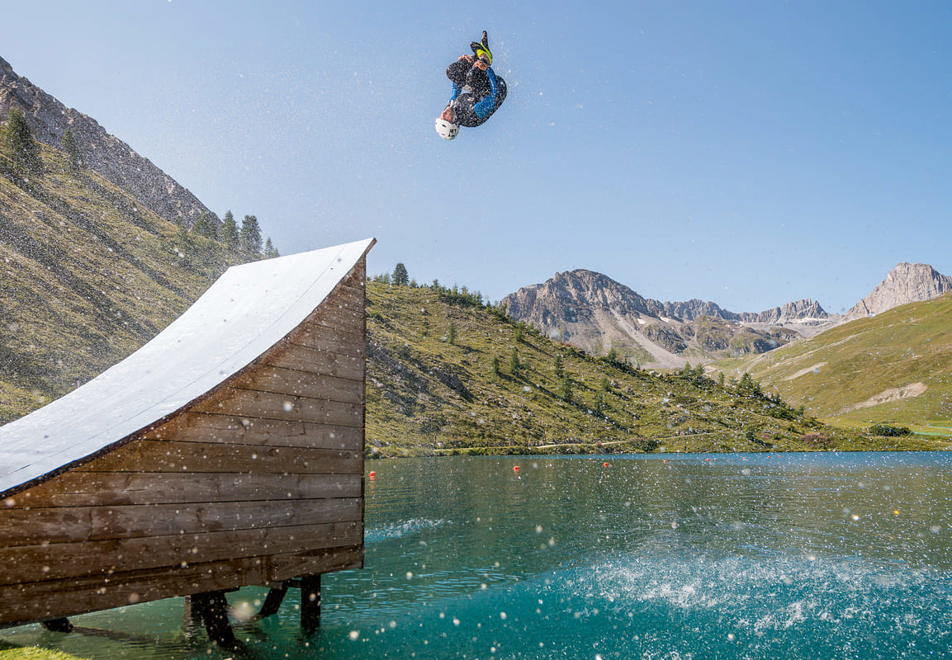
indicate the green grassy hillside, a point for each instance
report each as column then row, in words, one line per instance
column 87, row 275
column 895, row 367
column 432, row 389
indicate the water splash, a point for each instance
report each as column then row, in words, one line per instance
column 400, row 529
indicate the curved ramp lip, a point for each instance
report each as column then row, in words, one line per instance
column 240, row 317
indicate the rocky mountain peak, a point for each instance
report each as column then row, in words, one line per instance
column 104, row 153
column 596, row 313
column 904, row 284
column 571, row 297
column 798, row 311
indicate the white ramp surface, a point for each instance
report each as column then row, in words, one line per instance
column 246, row 312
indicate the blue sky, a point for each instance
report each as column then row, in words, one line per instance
column 748, row 153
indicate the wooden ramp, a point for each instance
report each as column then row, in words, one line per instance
column 228, row 451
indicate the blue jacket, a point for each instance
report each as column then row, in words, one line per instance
column 475, row 101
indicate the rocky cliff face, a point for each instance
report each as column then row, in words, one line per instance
column 804, row 311
column 597, row 313
column 100, row 151
column 575, row 297
column 904, row 284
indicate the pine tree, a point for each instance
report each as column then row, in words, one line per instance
column 249, row 238
column 205, row 226
column 748, row 385
column 19, row 144
column 229, row 231
column 270, row 252
column 599, row 405
column 71, row 148
column 400, row 275
column 514, row 364
column 451, row 334
column 565, row 389
column 557, row 367
column 494, row 365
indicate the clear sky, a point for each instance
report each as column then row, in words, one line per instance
column 748, row 153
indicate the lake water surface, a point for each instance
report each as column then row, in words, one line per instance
column 754, row 555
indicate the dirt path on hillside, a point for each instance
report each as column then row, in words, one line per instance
column 893, row 394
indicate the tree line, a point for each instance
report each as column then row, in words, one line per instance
column 246, row 238
column 453, row 295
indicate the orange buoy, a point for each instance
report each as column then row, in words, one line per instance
column 515, row 468
column 665, row 461
column 707, row 459
column 605, row 464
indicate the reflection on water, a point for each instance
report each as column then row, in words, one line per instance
column 661, row 556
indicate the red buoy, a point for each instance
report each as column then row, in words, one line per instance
column 515, row 468
column 373, row 475
column 665, row 460
column 605, row 464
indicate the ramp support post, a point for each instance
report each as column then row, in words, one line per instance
column 61, row 625
column 213, row 609
column 310, row 603
column 272, row 602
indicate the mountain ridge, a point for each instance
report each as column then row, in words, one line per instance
column 596, row 313
column 100, row 151
column 688, row 310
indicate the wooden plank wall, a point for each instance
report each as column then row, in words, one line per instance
column 258, row 482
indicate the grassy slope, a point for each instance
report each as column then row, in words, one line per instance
column 87, row 275
column 426, row 396
column 11, row 652
column 847, row 365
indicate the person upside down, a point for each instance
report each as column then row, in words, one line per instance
column 477, row 91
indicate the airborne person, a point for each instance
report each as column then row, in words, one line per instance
column 477, row 91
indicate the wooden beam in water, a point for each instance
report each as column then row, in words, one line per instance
column 213, row 608
column 272, row 602
column 310, row 603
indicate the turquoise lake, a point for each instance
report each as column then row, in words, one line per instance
column 660, row 556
